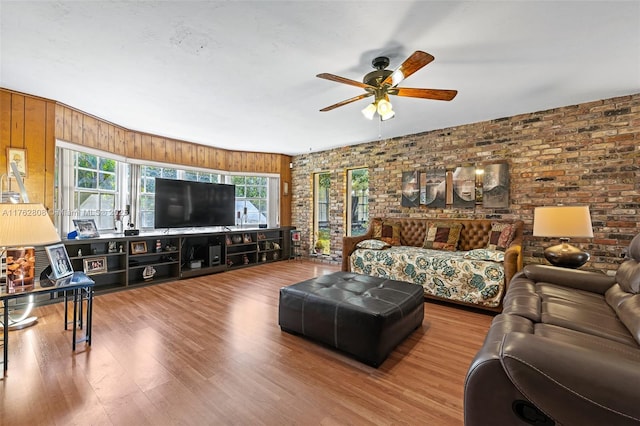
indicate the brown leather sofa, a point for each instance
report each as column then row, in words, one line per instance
column 565, row 350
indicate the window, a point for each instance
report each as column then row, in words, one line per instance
column 251, row 199
column 95, row 189
column 147, row 192
column 321, row 223
column 357, row 201
column 97, row 185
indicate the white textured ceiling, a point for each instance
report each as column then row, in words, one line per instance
column 241, row 75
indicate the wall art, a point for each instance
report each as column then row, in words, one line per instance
column 410, row 189
column 464, row 187
column 495, row 186
column 433, row 185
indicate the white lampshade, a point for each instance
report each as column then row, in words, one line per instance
column 26, row 224
column 562, row 222
column 369, row 111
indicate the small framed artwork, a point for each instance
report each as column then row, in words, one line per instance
column 247, row 238
column 19, row 157
column 95, row 265
column 112, row 247
column 59, row 260
column 138, row 247
column 410, row 189
column 86, row 228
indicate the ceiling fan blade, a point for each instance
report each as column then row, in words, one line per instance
column 339, row 79
column 412, row 64
column 348, row 101
column 437, row 94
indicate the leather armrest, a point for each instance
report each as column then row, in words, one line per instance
column 349, row 245
column 512, row 260
column 574, row 384
column 581, row 280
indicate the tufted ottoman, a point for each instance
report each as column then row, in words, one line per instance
column 364, row 316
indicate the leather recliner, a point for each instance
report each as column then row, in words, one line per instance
column 564, row 351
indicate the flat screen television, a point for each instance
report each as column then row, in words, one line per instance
column 184, row 204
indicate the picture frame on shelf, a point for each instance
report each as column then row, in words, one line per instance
column 112, row 247
column 95, row 265
column 247, row 238
column 19, row 157
column 86, row 228
column 59, row 260
column 138, row 247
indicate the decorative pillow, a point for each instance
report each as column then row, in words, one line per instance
column 389, row 232
column 501, row 235
column 373, row 245
column 485, row 254
column 442, row 236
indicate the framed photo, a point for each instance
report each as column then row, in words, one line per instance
column 247, row 238
column 95, row 265
column 59, row 259
column 112, row 247
column 18, row 156
column 86, row 228
column 138, row 247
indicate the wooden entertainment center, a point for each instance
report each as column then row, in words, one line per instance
column 126, row 262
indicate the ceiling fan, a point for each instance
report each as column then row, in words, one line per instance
column 383, row 82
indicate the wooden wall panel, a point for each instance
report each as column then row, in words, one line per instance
column 50, row 155
column 17, row 122
column 47, row 121
column 29, row 122
column 90, row 132
column 103, row 136
column 5, row 128
column 170, row 151
column 35, row 114
column 76, row 127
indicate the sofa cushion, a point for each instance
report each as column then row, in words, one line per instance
column 373, row 244
column 627, row 307
column 389, row 232
column 442, row 236
column 501, row 235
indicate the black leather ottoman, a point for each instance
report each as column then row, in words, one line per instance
column 364, row 316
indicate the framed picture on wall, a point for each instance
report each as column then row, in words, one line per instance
column 19, row 157
column 410, row 189
column 495, row 186
column 464, row 187
column 433, row 184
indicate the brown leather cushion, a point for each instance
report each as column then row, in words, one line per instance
column 474, row 234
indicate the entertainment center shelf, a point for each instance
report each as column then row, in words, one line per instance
column 116, row 262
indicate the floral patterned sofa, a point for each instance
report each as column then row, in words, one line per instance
column 466, row 261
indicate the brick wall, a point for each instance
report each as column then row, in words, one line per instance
column 589, row 154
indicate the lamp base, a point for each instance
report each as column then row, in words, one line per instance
column 566, row 256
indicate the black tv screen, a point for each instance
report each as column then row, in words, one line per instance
column 183, row 204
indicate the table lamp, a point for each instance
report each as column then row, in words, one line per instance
column 23, row 226
column 563, row 222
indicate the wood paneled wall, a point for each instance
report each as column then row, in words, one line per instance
column 35, row 123
column 28, row 122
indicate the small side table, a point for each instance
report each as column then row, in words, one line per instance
column 76, row 288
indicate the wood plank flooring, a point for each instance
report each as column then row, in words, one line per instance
column 208, row 351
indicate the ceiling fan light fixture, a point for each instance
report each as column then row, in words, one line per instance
column 385, row 109
column 369, row 111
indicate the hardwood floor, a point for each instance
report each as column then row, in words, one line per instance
column 209, row 350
